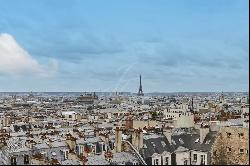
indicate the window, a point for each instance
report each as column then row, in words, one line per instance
column 163, row 143
column 185, row 162
column 197, row 140
column 70, row 116
column 241, row 135
column 13, row 160
column 181, row 141
column 229, row 149
column 26, row 159
column 203, row 159
column 229, row 135
column 156, row 162
column 214, row 152
column 104, row 147
column 66, row 154
column 166, row 161
column 44, row 154
column 195, row 157
column 241, row 151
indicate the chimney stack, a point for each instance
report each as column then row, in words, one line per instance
column 96, row 132
column 204, row 130
column 167, row 132
column 140, row 139
column 135, row 140
column 118, row 139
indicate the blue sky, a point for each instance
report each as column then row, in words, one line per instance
column 97, row 45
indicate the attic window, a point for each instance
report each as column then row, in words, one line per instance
column 181, row 141
column 163, row 143
column 208, row 141
column 173, row 142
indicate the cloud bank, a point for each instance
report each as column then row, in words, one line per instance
column 14, row 60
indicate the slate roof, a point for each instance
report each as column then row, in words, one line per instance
column 42, row 146
column 155, row 145
column 71, row 162
column 190, row 141
column 88, row 140
column 181, row 142
column 59, row 144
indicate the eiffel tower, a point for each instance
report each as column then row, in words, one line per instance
column 140, row 92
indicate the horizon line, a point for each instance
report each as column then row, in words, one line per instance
column 122, row 92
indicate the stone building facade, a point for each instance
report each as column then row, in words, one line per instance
column 231, row 146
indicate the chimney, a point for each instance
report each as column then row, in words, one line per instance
column 140, row 139
column 167, row 132
column 71, row 141
column 96, row 132
column 204, row 130
column 118, row 139
column 135, row 139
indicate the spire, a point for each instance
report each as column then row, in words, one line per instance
column 140, row 92
column 140, row 80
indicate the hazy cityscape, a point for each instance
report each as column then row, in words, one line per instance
column 161, row 82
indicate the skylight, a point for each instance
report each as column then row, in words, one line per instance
column 181, row 141
column 163, row 143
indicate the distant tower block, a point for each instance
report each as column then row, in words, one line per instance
column 140, row 92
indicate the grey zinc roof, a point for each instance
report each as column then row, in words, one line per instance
column 190, row 141
column 97, row 160
column 16, row 144
column 155, row 144
column 71, row 162
column 42, row 146
column 184, row 141
column 59, row 144
column 88, row 140
column 119, row 158
column 124, row 157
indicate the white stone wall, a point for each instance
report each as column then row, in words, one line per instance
column 182, row 118
column 184, row 121
column 155, row 157
column 166, row 155
column 199, row 156
column 181, row 157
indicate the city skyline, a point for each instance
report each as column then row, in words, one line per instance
column 190, row 46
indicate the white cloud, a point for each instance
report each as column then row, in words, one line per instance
column 14, row 60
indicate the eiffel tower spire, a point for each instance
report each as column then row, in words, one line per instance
column 140, row 92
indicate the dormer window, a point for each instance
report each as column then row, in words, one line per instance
column 195, row 157
column 163, row 143
column 229, row 135
column 181, row 141
column 197, row 140
column 156, row 162
column 13, row 161
column 241, row 151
